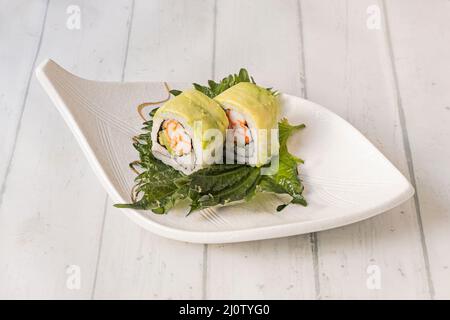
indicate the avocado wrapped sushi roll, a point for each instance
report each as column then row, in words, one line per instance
column 188, row 131
column 253, row 114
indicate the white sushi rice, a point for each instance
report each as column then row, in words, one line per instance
column 256, row 151
column 191, row 161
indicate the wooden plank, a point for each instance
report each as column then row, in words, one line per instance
column 17, row 58
column 175, row 43
column 420, row 36
column 52, row 208
column 348, row 71
column 248, row 36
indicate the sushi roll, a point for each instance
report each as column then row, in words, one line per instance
column 253, row 114
column 189, row 131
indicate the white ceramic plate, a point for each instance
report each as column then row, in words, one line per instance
column 346, row 178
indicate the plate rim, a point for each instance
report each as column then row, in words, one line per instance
column 224, row 236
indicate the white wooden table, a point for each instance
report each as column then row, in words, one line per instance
column 382, row 65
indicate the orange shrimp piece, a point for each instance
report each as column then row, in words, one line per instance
column 178, row 139
column 238, row 124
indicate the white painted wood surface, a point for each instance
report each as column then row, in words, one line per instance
column 352, row 76
column 154, row 267
column 22, row 39
column 52, row 205
column 420, row 50
column 390, row 82
column 271, row 52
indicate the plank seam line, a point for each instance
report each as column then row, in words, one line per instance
column 205, row 271
column 100, row 245
column 213, row 64
column 130, row 22
column 407, row 147
column 130, row 25
column 213, row 74
column 24, row 101
column 315, row 257
column 312, row 236
column 302, row 68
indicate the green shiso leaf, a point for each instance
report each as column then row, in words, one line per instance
column 222, row 184
column 286, row 179
column 159, row 187
column 213, row 88
column 175, row 92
